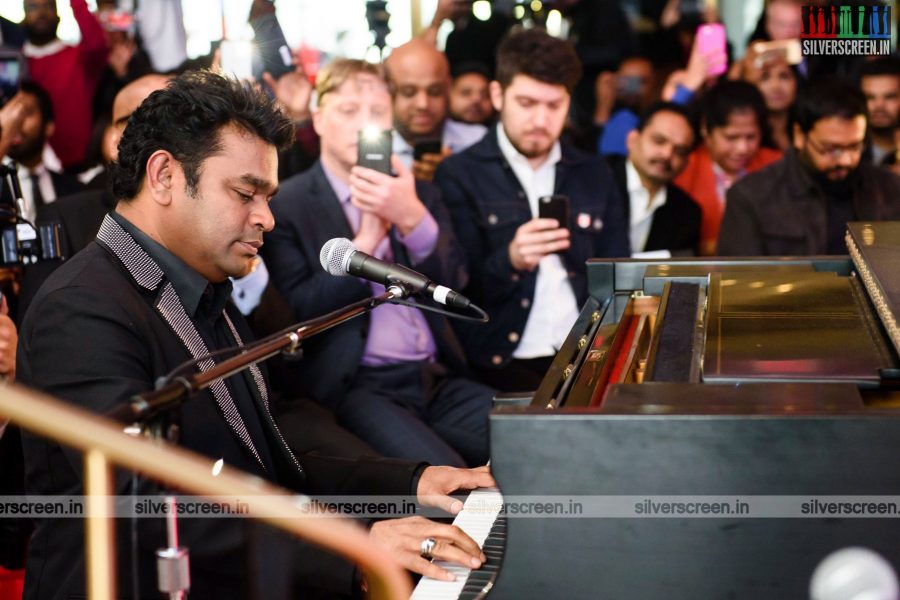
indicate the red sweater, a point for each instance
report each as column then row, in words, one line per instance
column 699, row 181
column 70, row 75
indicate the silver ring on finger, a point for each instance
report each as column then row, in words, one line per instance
column 426, row 549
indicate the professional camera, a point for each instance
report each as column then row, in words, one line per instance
column 21, row 243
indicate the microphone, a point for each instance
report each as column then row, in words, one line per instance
column 340, row 257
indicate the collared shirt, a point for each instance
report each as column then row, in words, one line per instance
column 455, row 135
column 44, row 182
column 247, row 291
column 396, row 333
column 205, row 305
column 554, row 307
column 642, row 207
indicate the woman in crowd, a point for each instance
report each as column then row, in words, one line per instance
column 733, row 123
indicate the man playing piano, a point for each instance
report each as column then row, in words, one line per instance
column 196, row 169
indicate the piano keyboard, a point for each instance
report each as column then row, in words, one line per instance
column 479, row 520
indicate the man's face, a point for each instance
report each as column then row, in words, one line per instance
column 833, row 147
column 783, row 20
column 882, row 100
column 470, row 100
column 218, row 230
column 533, row 113
column 360, row 102
column 420, row 89
column 661, row 150
column 634, row 83
column 28, row 146
column 734, row 145
column 41, row 20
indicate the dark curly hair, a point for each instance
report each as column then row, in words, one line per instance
column 185, row 119
column 537, row 54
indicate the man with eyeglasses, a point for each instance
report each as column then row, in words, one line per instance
column 801, row 204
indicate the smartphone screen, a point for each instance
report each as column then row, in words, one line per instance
column 426, row 147
column 711, row 37
column 12, row 67
column 374, row 150
column 554, row 207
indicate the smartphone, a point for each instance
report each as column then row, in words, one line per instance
column 117, row 20
column 374, row 150
column 711, row 37
column 12, row 72
column 426, row 147
column 554, row 207
column 270, row 50
column 788, row 50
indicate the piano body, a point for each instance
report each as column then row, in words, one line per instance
column 741, row 378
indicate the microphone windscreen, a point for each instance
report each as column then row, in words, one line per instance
column 854, row 574
column 335, row 255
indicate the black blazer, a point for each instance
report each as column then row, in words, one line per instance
column 780, row 211
column 95, row 336
column 487, row 204
column 308, row 214
column 79, row 216
column 676, row 224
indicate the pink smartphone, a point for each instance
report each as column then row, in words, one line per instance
column 710, row 37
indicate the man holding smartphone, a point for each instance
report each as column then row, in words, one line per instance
column 420, row 89
column 391, row 376
column 531, row 293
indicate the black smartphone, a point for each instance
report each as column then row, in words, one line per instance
column 374, row 150
column 426, row 147
column 12, row 72
column 271, row 52
column 554, row 207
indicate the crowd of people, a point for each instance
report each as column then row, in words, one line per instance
column 192, row 210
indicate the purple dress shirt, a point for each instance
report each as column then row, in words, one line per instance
column 396, row 333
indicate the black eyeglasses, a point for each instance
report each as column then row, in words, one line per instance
column 835, row 152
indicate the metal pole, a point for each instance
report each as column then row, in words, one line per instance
column 415, row 11
column 101, row 561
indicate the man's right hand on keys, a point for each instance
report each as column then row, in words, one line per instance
column 403, row 537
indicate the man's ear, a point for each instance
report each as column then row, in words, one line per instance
column 630, row 139
column 317, row 120
column 159, row 176
column 49, row 128
column 496, row 95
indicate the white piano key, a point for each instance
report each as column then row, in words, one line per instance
column 476, row 518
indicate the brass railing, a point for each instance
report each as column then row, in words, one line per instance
column 105, row 445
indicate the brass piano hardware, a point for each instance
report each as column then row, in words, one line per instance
column 568, row 371
column 595, row 316
column 582, row 342
column 550, row 405
column 637, row 294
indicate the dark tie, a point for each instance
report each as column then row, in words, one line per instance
column 36, row 190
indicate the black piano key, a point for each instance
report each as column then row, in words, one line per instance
column 493, row 549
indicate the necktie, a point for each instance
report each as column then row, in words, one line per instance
column 36, row 190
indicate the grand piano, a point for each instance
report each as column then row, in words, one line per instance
column 763, row 383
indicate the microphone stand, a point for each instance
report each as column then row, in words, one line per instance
column 11, row 173
column 173, row 562
column 144, row 406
